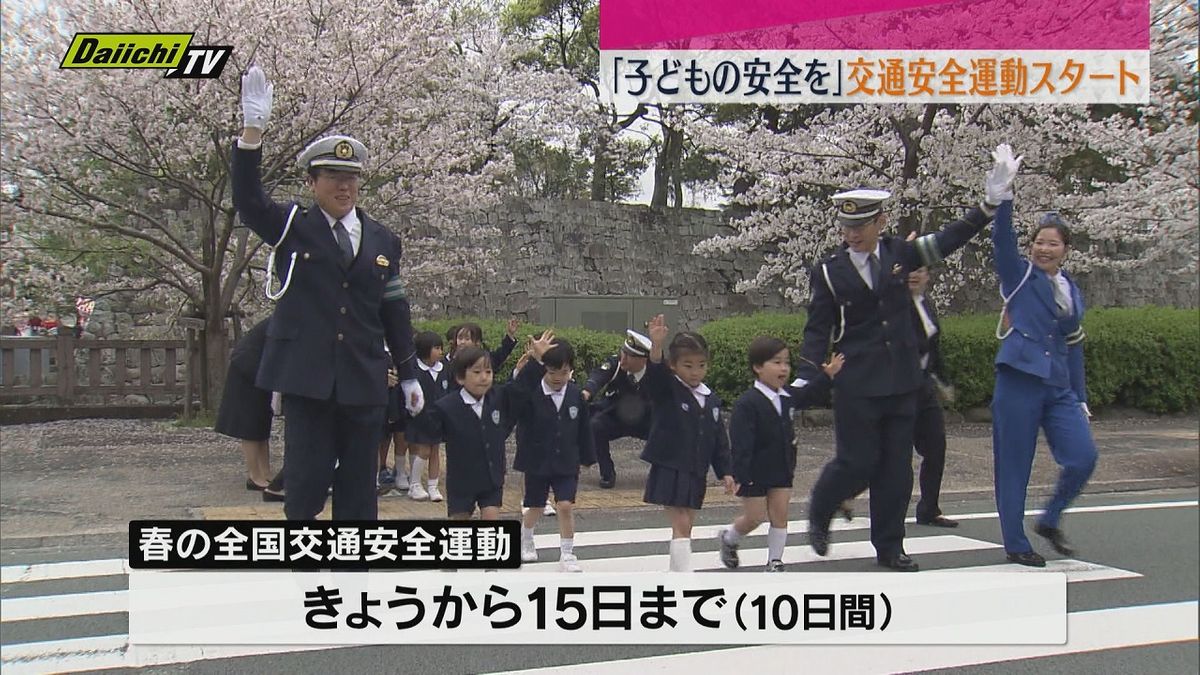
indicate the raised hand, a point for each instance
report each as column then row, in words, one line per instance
column 511, row 329
column 539, row 346
column 835, row 364
column 257, row 97
column 999, row 182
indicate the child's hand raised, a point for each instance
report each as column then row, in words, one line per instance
column 539, row 346
column 835, row 364
column 511, row 329
column 657, row 329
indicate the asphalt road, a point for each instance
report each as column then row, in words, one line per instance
column 1137, row 614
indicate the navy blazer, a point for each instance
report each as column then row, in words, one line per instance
column 326, row 336
column 1041, row 342
column 434, row 386
column 475, row 459
column 247, row 353
column 873, row 327
column 684, row 436
column 498, row 355
column 552, row 441
column 763, row 442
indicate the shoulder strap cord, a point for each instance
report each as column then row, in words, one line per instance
column 841, row 328
column 287, row 279
column 1000, row 332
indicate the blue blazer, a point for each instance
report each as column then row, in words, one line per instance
column 684, row 436
column 1041, row 343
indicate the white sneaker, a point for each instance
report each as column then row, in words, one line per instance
column 528, row 551
column 417, row 493
column 434, row 494
column 402, row 482
column 567, row 562
column 548, row 510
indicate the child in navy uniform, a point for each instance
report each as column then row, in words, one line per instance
column 394, row 425
column 474, row 424
column 554, row 438
column 686, row 435
column 471, row 335
column 762, row 438
column 433, row 374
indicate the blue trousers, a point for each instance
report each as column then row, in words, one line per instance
column 1021, row 403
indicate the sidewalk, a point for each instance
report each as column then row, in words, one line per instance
column 72, row 478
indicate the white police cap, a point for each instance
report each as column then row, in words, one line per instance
column 636, row 344
column 341, row 153
column 857, row 207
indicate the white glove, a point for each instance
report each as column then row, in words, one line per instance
column 998, row 186
column 1086, row 413
column 414, row 398
column 257, row 94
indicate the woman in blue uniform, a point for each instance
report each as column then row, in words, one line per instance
column 1039, row 379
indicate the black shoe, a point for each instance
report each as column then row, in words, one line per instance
column 899, row 562
column 1028, row 559
column 1056, row 538
column 937, row 521
column 818, row 538
column 608, row 483
column 269, row 496
column 251, row 485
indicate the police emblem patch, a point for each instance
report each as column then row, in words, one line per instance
column 684, row 406
column 495, row 417
column 573, row 412
column 343, row 150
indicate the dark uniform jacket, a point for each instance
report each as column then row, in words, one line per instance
column 553, row 441
column 684, row 436
column 873, row 328
column 475, row 459
column 247, row 353
column 763, row 442
column 326, row 336
column 614, row 391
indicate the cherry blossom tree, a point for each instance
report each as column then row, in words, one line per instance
column 141, row 162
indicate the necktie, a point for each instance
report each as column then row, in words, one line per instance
column 343, row 240
column 1060, row 298
column 873, row 268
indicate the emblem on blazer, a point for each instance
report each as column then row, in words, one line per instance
column 343, row 150
column 895, row 269
column 382, row 261
column 573, row 412
column 716, row 414
column 684, row 406
column 495, row 417
column 445, row 384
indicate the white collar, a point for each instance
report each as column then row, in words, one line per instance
column 435, row 368
column 550, row 392
column 860, row 258
column 468, row 398
column 637, row 377
column 702, row 390
column 769, row 392
column 349, row 221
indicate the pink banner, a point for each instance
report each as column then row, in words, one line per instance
column 875, row 24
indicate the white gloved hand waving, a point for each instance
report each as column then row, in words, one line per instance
column 999, row 182
column 257, row 96
column 414, row 398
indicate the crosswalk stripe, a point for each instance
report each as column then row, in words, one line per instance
column 95, row 568
column 1096, row 630
column 704, row 560
column 67, row 604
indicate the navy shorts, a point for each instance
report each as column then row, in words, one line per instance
column 465, row 503
column 537, row 488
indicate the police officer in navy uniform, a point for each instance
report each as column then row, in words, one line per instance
column 342, row 298
column 620, row 407
column 861, row 307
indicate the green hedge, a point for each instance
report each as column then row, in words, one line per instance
column 1144, row 357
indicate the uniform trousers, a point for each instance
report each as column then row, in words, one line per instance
column 319, row 434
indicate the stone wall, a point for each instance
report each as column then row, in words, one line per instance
column 553, row 248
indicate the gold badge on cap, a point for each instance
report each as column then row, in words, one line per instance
column 382, row 261
column 849, row 207
column 343, row 150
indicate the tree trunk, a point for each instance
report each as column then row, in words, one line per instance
column 600, row 163
column 666, row 165
column 214, row 349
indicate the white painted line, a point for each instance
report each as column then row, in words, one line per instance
column 1118, row 628
column 793, row 555
column 1076, row 570
column 12, row 574
column 80, row 655
column 67, row 604
column 662, row 535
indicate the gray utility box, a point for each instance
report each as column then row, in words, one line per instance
column 608, row 313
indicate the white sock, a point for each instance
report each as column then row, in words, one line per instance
column 776, row 539
column 681, row 555
column 567, row 546
column 732, row 536
column 418, row 468
column 433, row 483
column 526, row 534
